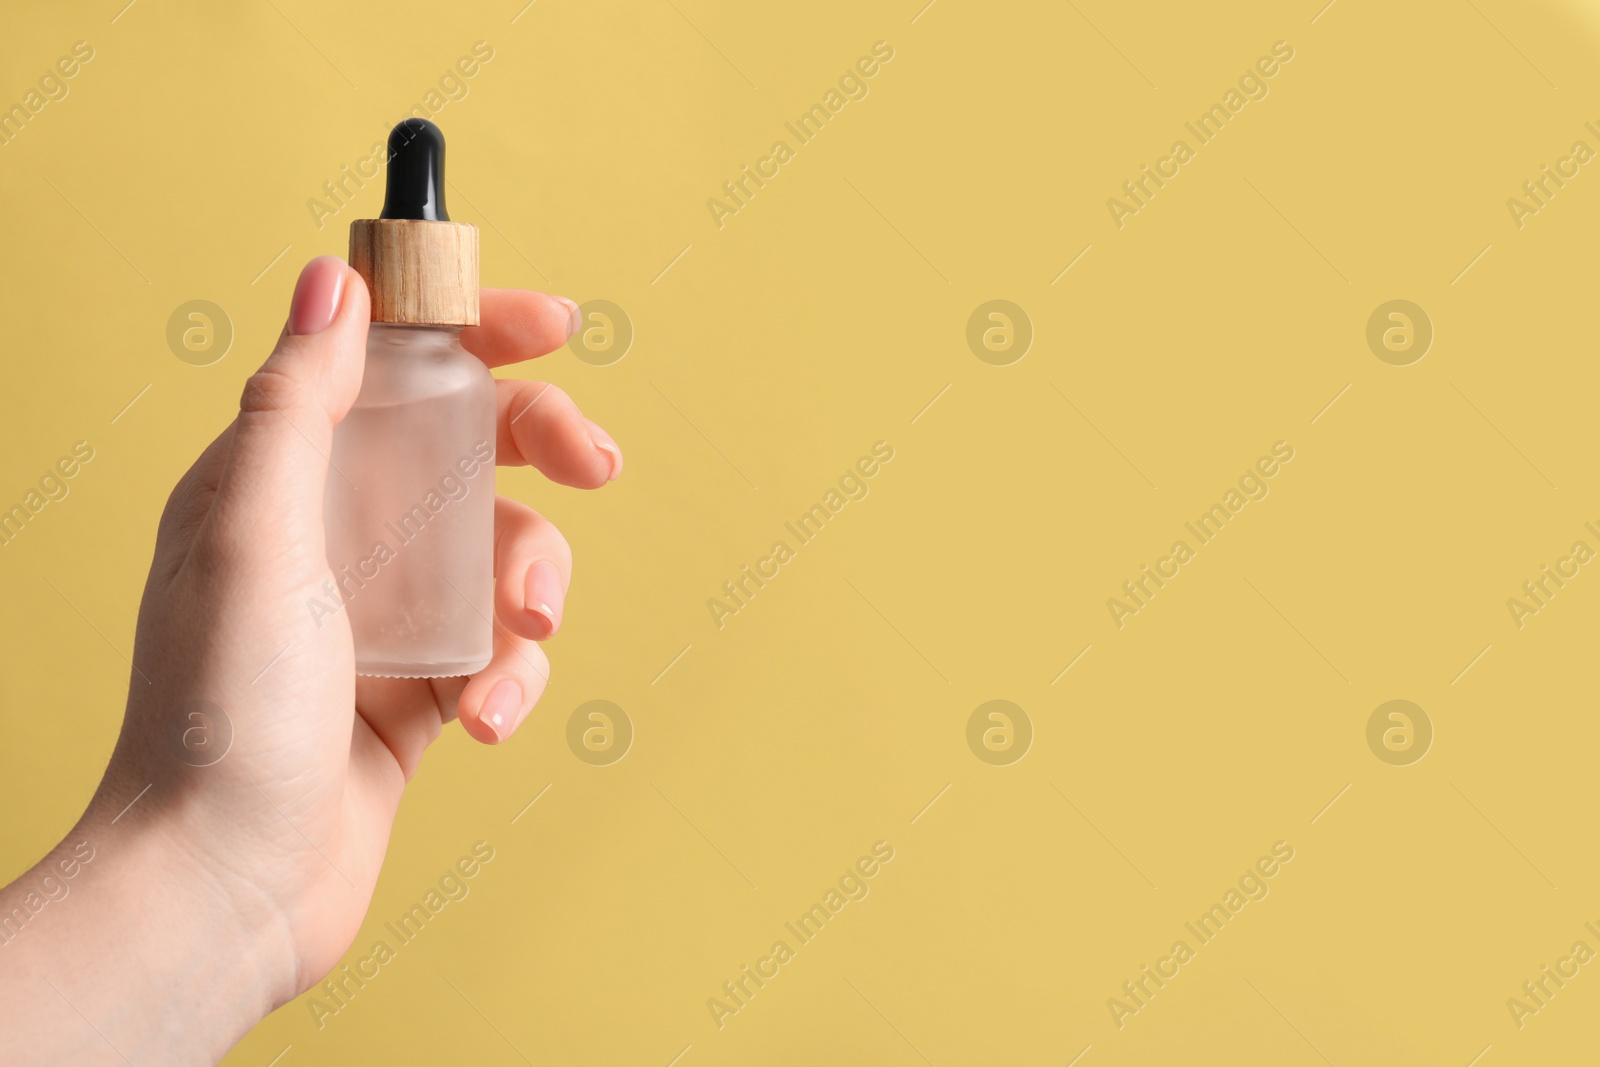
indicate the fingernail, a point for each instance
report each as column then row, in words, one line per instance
column 604, row 443
column 501, row 708
column 574, row 316
column 544, row 595
column 316, row 296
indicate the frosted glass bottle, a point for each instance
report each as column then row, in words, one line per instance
column 410, row 506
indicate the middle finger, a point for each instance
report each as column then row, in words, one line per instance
column 540, row 426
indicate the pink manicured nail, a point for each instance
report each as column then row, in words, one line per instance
column 502, row 708
column 316, row 296
column 544, row 595
column 574, row 316
column 604, row 443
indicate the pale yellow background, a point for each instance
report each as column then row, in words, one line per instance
column 822, row 318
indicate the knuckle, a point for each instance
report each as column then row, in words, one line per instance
column 269, row 389
column 542, row 540
column 543, row 395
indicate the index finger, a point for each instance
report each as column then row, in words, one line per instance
column 516, row 324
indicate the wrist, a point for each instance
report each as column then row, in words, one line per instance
column 123, row 940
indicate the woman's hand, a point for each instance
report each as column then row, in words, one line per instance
column 263, row 775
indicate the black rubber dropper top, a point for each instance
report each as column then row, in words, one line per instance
column 416, row 173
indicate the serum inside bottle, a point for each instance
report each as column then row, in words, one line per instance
column 410, row 493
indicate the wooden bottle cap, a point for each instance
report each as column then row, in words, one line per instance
column 418, row 271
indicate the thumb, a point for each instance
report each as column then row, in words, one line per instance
column 273, row 482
